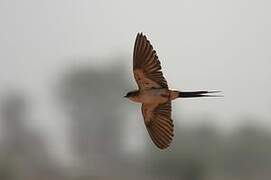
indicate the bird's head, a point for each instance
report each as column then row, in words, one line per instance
column 131, row 94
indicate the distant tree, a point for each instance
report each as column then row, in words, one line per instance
column 92, row 97
column 23, row 153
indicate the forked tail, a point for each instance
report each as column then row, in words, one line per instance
column 193, row 94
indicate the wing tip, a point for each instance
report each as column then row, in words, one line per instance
column 141, row 35
column 161, row 139
column 164, row 146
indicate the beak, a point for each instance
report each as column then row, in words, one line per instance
column 125, row 96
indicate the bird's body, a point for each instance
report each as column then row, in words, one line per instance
column 154, row 93
column 157, row 96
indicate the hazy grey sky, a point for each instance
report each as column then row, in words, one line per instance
column 217, row 45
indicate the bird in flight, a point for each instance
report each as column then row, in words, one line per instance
column 154, row 94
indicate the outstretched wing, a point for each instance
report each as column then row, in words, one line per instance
column 157, row 118
column 146, row 65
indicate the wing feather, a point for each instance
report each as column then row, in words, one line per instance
column 146, row 65
column 157, row 118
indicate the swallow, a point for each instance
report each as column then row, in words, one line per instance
column 154, row 94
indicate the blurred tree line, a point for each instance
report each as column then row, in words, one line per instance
column 92, row 99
